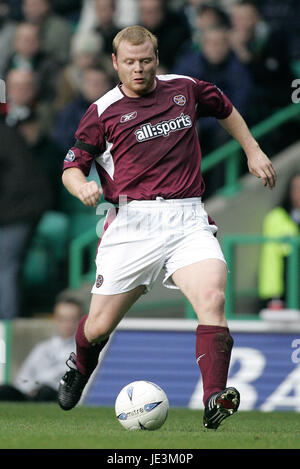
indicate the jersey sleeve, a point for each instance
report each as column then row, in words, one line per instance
column 212, row 102
column 89, row 142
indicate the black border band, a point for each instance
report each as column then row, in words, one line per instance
column 92, row 149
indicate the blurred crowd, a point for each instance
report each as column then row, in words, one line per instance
column 56, row 60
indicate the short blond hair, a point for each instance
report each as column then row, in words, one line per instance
column 136, row 35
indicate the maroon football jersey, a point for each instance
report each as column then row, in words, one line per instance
column 148, row 146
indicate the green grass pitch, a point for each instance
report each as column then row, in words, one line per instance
column 46, row 426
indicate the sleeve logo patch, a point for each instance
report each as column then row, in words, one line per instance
column 70, row 156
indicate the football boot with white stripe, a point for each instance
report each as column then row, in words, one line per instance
column 219, row 406
column 71, row 385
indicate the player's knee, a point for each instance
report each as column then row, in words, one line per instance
column 212, row 301
column 96, row 331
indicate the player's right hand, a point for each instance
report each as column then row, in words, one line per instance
column 90, row 193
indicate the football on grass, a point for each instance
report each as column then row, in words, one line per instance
column 142, row 405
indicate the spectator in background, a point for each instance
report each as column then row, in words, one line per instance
column 15, row 9
column 265, row 53
column 23, row 104
column 106, row 27
column 24, row 197
column 7, row 30
column 218, row 64
column 210, row 16
column 33, row 120
column 227, row 5
column 55, row 31
column 99, row 16
column 69, row 9
column 126, row 14
column 95, row 82
column 207, row 16
column 283, row 220
column 284, row 16
column 39, row 376
column 170, row 27
column 189, row 9
column 27, row 55
column 86, row 50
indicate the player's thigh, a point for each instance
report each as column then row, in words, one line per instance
column 204, row 284
column 106, row 311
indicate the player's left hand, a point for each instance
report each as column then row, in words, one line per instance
column 261, row 166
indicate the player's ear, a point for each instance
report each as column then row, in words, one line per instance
column 157, row 59
column 114, row 61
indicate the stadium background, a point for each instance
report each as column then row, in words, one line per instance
column 265, row 364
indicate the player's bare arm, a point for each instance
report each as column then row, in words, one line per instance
column 88, row 192
column 258, row 162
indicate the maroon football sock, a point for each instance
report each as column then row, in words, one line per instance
column 87, row 354
column 213, row 351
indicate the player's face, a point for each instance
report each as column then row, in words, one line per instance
column 136, row 66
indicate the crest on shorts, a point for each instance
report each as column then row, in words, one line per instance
column 179, row 99
column 99, row 281
column 70, row 156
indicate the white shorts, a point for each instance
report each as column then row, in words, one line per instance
column 143, row 237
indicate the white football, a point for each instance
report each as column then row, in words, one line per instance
column 142, row 405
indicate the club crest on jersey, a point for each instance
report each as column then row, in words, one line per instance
column 179, row 99
column 70, row 156
column 128, row 117
column 163, row 129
